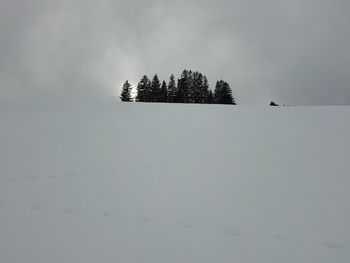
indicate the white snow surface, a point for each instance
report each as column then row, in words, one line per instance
column 132, row 182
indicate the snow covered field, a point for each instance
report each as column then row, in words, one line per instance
column 113, row 182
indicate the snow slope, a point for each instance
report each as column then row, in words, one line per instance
column 113, row 182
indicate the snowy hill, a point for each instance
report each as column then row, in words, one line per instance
column 151, row 183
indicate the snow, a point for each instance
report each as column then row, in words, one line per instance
column 133, row 182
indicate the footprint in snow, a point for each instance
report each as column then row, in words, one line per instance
column 184, row 225
column 231, row 233
column 279, row 237
column 35, row 207
column 70, row 211
column 145, row 219
column 106, row 214
column 333, row 245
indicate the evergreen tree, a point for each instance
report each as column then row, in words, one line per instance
column 184, row 87
column 155, row 89
column 126, row 92
column 192, row 87
column 197, row 87
column 223, row 93
column 163, row 94
column 143, row 88
column 204, row 90
column 189, row 85
column 210, row 98
column 172, row 89
column 180, row 92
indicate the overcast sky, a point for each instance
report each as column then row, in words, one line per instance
column 291, row 51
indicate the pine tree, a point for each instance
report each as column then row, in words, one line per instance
column 155, row 89
column 143, row 89
column 197, row 87
column 163, row 94
column 205, row 91
column 210, row 98
column 181, row 91
column 172, row 89
column 223, row 93
column 192, row 87
column 126, row 92
column 189, row 85
column 184, row 87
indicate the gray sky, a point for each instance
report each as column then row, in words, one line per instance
column 295, row 52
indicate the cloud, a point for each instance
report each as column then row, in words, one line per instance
column 294, row 52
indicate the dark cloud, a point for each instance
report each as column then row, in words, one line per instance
column 294, row 52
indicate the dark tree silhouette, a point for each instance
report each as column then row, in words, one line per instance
column 182, row 89
column 204, row 91
column 223, row 93
column 155, row 89
column 126, row 92
column 172, row 89
column 192, row 87
column 163, row 94
column 210, row 99
column 143, row 89
column 197, row 88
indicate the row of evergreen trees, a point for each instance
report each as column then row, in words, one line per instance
column 191, row 87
